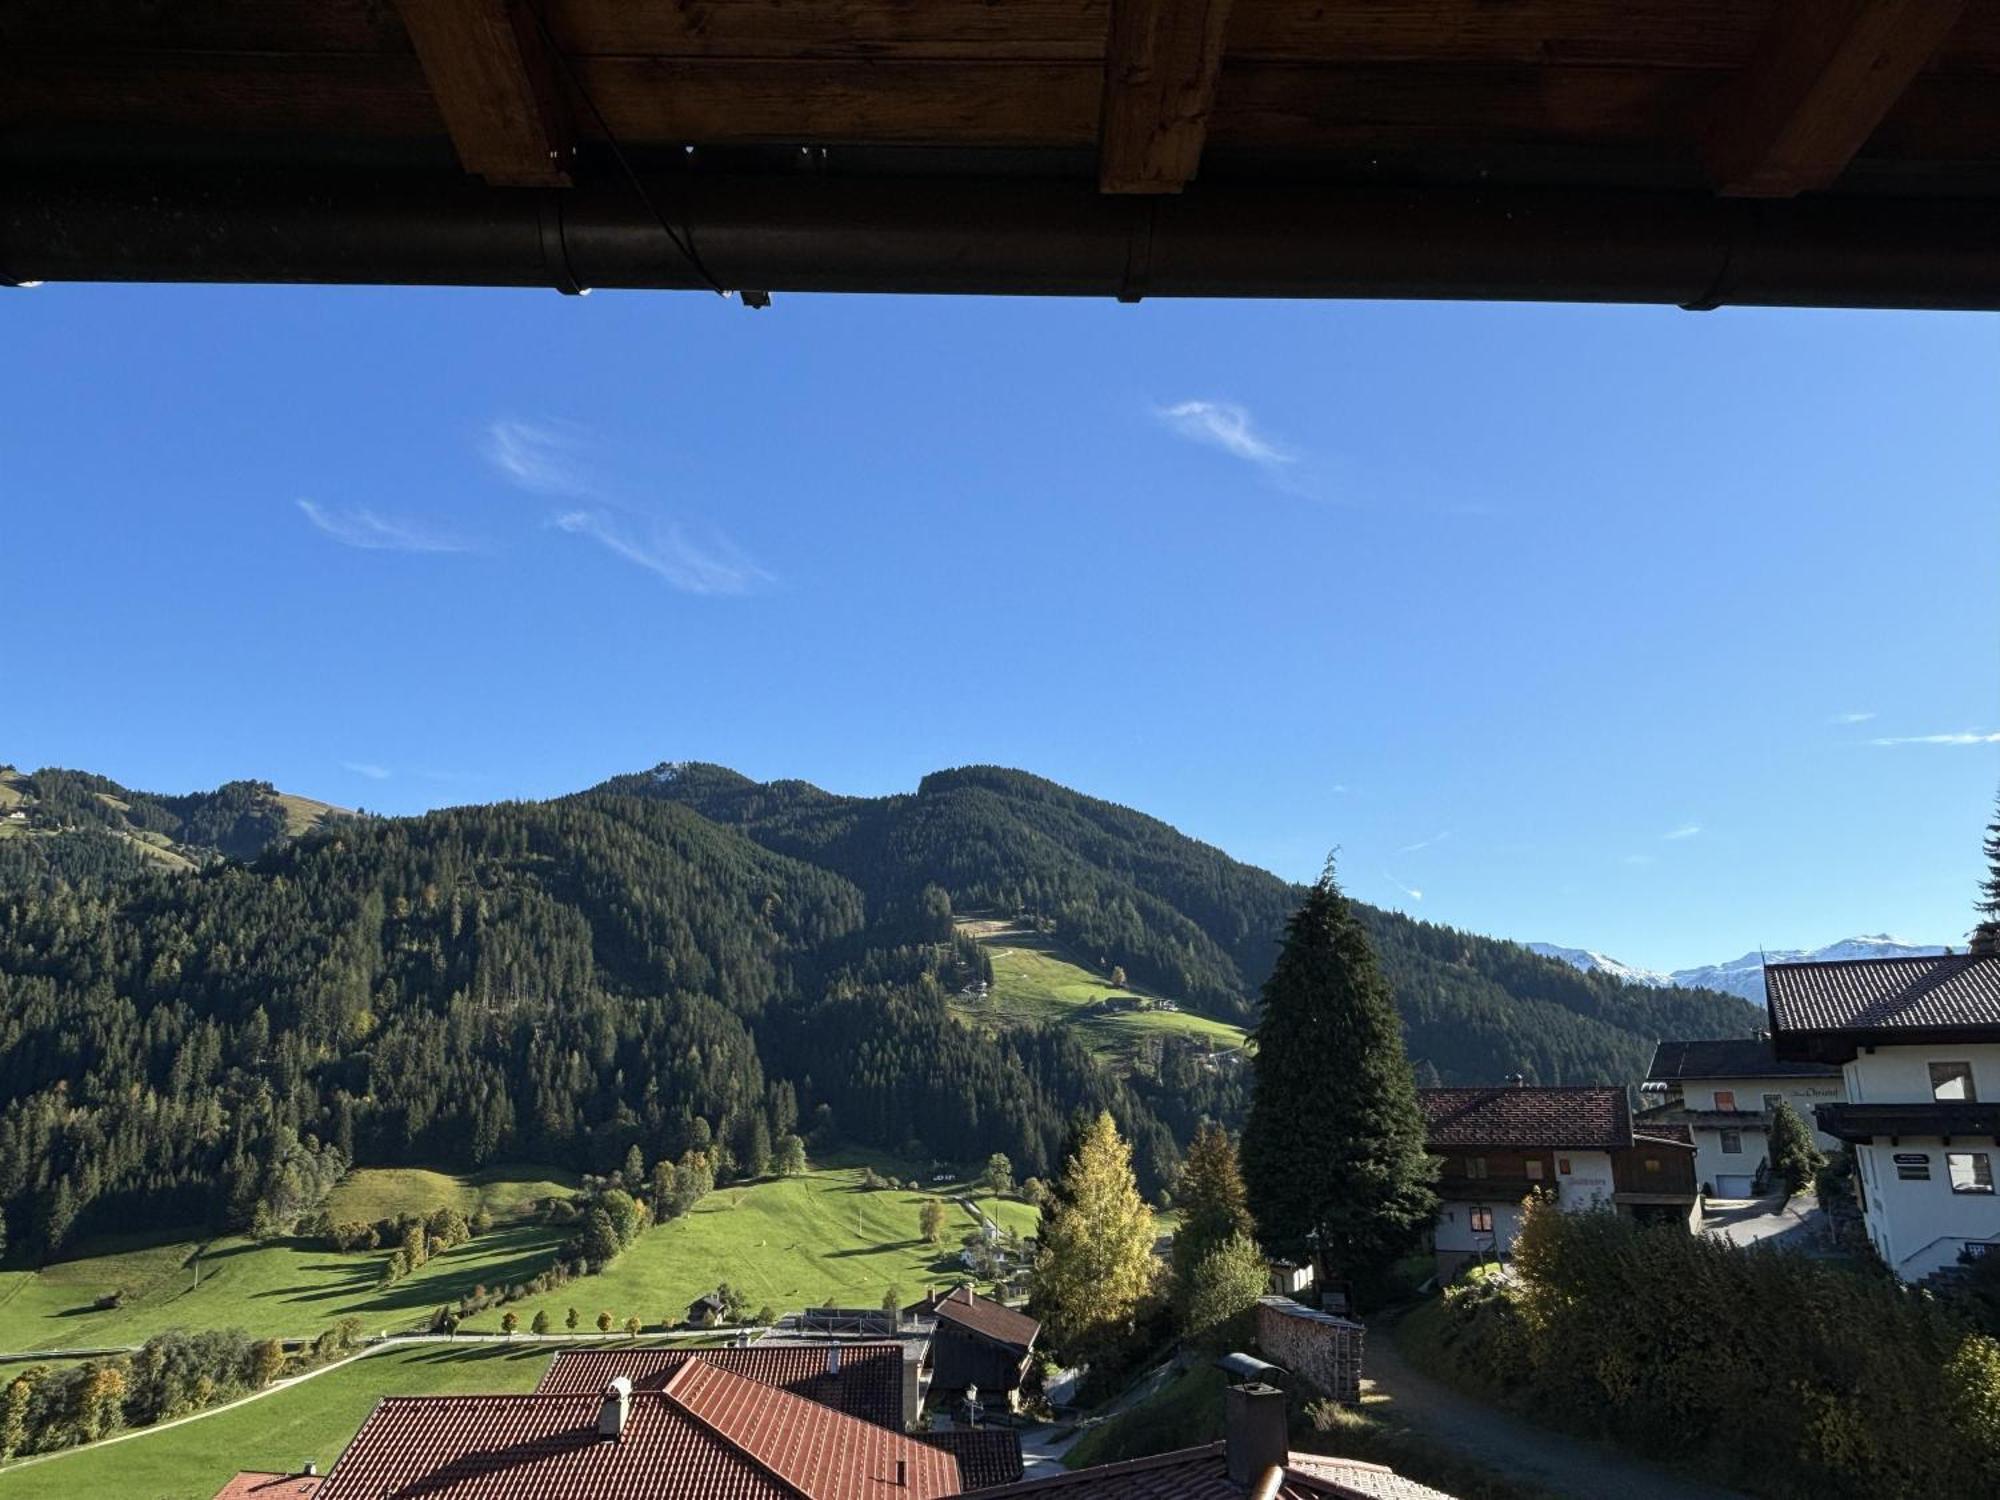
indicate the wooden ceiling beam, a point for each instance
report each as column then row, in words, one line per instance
column 1160, row 66
column 494, row 80
column 1824, row 74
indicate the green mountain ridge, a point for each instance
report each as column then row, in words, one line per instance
column 672, row 958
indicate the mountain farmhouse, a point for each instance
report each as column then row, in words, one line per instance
column 1723, row 1091
column 977, row 1343
column 1918, row 1044
column 1576, row 1143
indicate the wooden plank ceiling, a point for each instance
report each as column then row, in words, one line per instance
column 1723, row 98
column 1744, row 95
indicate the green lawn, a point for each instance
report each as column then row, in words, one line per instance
column 1033, row 980
column 795, row 1242
column 789, row 1242
column 278, row 1432
column 286, row 1288
column 504, row 1192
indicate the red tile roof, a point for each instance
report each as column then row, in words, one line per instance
column 1591, row 1117
column 820, row 1452
column 258, row 1484
column 1884, row 994
column 869, row 1384
column 709, row 1433
column 964, row 1308
column 1203, row 1474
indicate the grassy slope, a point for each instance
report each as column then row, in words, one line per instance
column 793, row 1243
column 1033, row 980
column 787, row 1242
column 505, row 1192
column 279, row 1432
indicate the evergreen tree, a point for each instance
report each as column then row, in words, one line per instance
column 1989, row 888
column 1214, row 1206
column 1795, row 1156
column 541, row 1324
column 791, row 1157
column 930, row 1222
column 1333, row 1150
column 1094, row 1256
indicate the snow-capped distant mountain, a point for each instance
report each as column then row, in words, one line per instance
column 1743, row 976
column 1597, row 963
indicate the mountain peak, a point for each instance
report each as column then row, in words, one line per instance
column 1743, row 976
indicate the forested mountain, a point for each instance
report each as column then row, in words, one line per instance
column 83, row 830
column 673, row 958
column 1184, row 918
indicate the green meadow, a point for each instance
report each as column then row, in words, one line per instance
column 279, row 1432
column 1035, row 981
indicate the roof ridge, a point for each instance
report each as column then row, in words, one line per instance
column 683, row 1374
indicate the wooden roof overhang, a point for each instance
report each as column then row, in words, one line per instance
column 1696, row 152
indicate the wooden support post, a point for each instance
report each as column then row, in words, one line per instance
column 1823, row 76
column 1160, row 66
column 494, row 80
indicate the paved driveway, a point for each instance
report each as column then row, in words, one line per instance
column 1795, row 1225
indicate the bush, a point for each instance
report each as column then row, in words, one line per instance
column 1792, row 1376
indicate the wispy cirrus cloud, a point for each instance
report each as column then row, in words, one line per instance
column 1859, row 716
column 1685, row 831
column 558, row 458
column 1436, row 838
column 717, row 567
column 1961, row 737
column 546, row 457
column 1408, row 890
column 1225, row 425
column 374, row 532
column 1639, row 860
column 366, row 768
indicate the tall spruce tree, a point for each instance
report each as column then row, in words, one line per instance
column 1333, row 1150
column 1213, row 1204
column 1989, row 888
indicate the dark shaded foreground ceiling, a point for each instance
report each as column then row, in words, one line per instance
column 1698, row 152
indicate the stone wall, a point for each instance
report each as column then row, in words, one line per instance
column 1318, row 1348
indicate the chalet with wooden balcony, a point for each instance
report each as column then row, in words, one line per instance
column 1917, row 1041
column 1723, row 1091
column 1575, row 1145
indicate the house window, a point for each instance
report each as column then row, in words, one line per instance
column 1971, row 1171
column 1725, row 1098
column 1652, row 1164
column 1482, row 1221
column 1562, row 1165
column 1951, row 1083
column 1534, row 1168
column 1732, row 1143
column 1475, row 1166
column 1771, row 1103
column 1913, row 1166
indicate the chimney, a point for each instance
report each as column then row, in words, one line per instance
column 1985, row 940
column 310, row 1469
column 1517, row 1080
column 1254, row 1436
column 617, row 1407
column 833, row 1360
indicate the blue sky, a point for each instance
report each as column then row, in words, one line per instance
column 1587, row 625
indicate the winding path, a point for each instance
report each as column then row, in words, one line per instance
column 1560, row 1463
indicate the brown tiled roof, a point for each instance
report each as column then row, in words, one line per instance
column 965, row 1308
column 869, row 1384
column 708, row 1433
column 257, row 1484
column 1203, row 1474
column 1735, row 1057
column 1885, row 994
column 1591, row 1117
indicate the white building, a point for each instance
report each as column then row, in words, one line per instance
column 1724, row 1092
column 1918, row 1044
column 1577, row 1144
